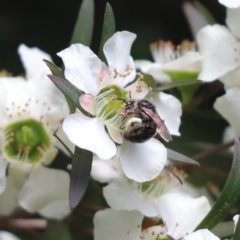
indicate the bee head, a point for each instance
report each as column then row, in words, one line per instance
column 146, row 104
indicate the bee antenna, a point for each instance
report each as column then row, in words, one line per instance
column 130, row 97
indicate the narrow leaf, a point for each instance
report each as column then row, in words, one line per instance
column 108, row 29
column 80, row 174
column 176, row 84
column 69, row 90
column 223, row 229
column 54, row 69
column 173, row 155
column 64, row 145
column 84, row 25
column 57, row 72
column 230, row 194
column 56, row 230
column 237, row 231
column 208, row 16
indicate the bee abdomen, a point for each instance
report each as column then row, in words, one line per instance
column 141, row 134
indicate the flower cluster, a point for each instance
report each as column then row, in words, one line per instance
column 123, row 119
column 106, row 89
column 30, row 115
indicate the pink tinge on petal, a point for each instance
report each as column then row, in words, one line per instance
column 115, row 135
column 87, row 103
column 104, row 71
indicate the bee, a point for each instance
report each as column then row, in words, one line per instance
column 144, row 122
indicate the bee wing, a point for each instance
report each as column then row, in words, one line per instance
column 162, row 129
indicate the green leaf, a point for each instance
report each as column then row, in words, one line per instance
column 84, row 25
column 149, row 80
column 54, row 69
column 173, row 155
column 64, row 145
column 80, row 174
column 230, row 194
column 237, row 231
column 58, row 72
column 223, row 229
column 69, row 90
column 108, row 29
column 167, row 86
column 208, row 16
column 56, row 230
column 187, row 92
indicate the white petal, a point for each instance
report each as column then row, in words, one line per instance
column 15, row 180
column 43, row 90
column 103, row 170
column 189, row 62
column 142, row 161
column 143, row 65
column 118, row 225
column 195, row 18
column 62, row 135
column 56, row 210
column 138, row 90
column 3, row 167
column 231, row 79
column 169, row 109
column 230, row 3
column 3, row 103
column 7, row 236
column 235, row 219
column 228, row 106
column 156, row 70
column 89, row 133
column 229, row 135
column 232, row 20
column 32, row 59
column 220, row 50
column 115, row 135
column 87, row 103
column 117, row 51
column 44, row 186
column 190, row 190
column 120, row 196
column 82, row 67
column 182, row 214
column 203, row 234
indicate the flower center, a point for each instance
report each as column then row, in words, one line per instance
column 26, row 141
column 109, row 103
column 164, row 183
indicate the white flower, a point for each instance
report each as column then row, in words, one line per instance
column 202, row 234
column 228, row 106
column 180, row 215
column 169, row 60
column 124, row 194
column 104, row 87
column 230, row 3
column 7, row 236
column 31, row 111
column 220, row 48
